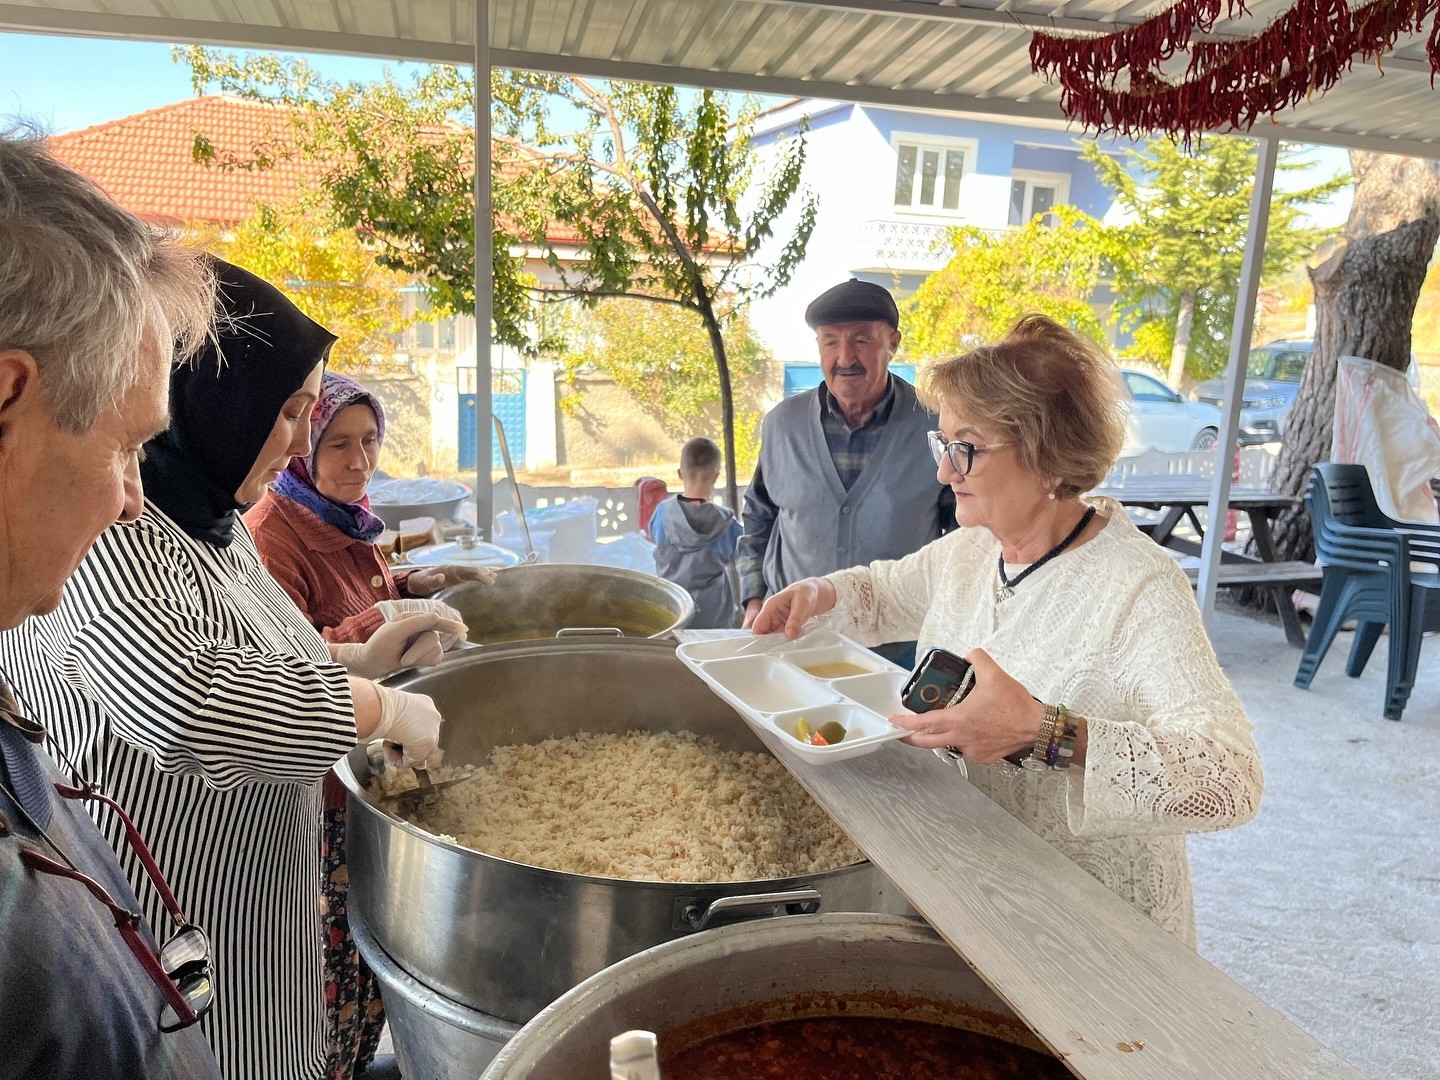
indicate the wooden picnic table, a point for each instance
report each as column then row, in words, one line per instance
column 1178, row 498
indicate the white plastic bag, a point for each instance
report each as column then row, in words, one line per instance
column 630, row 551
column 1382, row 424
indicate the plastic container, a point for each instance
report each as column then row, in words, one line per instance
column 767, row 681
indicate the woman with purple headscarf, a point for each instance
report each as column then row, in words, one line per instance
column 317, row 537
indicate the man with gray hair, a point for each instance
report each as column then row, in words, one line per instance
column 92, row 309
column 845, row 475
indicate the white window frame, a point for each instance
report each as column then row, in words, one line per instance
column 1060, row 181
column 416, row 303
column 970, row 148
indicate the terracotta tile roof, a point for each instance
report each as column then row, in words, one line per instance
column 145, row 162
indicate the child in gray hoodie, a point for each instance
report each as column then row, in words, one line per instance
column 695, row 539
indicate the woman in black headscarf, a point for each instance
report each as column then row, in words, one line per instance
column 187, row 682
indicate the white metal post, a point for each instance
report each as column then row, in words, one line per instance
column 1266, row 152
column 484, row 274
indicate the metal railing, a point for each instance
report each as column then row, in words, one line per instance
column 897, row 244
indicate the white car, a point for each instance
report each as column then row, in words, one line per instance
column 1158, row 417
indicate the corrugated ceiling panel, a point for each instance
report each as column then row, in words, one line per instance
column 989, row 65
column 952, row 57
column 430, row 20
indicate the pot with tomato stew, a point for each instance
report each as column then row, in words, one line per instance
column 878, row 997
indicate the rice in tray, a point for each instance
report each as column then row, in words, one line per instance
column 644, row 806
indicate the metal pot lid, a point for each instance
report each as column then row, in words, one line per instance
column 415, row 491
column 465, row 550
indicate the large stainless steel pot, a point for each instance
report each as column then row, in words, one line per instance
column 505, row 938
column 434, row 1038
column 776, row 969
column 533, row 602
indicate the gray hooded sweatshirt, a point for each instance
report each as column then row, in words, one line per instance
column 695, row 547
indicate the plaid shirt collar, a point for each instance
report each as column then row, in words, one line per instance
column 851, row 448
column 831, row 413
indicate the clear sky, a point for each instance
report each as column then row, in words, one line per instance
column 65, row 83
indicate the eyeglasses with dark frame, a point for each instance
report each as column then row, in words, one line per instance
column 180, row 968
column 961, row 453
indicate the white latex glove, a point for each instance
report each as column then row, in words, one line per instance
column 410, row 726
column 395, row 609
column 409, row 641
column 434, row 578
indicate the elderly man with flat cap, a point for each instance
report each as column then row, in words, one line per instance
column 845, row 475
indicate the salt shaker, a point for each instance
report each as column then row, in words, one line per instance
column 634, row 1056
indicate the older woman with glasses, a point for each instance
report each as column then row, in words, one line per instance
column 1091, row 666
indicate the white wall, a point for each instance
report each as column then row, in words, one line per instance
column 540, row 425
column 851, row 165
column 859, row 231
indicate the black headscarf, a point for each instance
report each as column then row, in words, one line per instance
column 224, row 404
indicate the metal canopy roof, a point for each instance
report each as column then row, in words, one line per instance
column 969, row 58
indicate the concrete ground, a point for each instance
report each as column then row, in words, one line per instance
column 1327, row 905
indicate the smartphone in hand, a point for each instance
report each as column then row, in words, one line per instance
column 940, row 680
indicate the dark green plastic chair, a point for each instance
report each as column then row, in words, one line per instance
column 1367, row 557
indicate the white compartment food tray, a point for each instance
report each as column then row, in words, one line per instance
column 765, row 679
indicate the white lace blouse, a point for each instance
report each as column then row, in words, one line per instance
column 1111, row 631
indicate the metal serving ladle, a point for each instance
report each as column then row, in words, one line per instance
column 425, row 789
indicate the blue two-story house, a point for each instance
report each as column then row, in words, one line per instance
column 890, row 181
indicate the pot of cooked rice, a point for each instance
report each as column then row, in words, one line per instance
column 811, row 998
column 616, row 804
column 532, row 602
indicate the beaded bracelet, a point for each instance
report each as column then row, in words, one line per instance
column 1065, row 740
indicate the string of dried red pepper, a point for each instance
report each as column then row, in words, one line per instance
column 1228, row 84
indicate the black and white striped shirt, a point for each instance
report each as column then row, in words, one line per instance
column 183, row 680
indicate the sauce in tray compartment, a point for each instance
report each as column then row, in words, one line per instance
column 859, row 1048
column 839, row 670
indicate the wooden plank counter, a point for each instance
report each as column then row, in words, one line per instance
column 1105, row 987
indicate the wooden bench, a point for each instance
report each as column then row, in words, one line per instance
column 1278, row 577
column 1147, row 521
column 1262, row 575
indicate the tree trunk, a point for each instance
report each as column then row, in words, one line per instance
column 1367, row 283
column 1184, row 321
column 727, row 400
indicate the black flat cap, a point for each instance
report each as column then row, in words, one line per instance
column 853, row 301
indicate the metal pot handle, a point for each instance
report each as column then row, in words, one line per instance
column 698, row 915
column 590, row 631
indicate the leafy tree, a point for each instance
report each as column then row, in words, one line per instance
column 657, row 190
column 994, row 278
column 1188, row 238
column 324, row 268
column 1282, row 309
column 1367, row 285
column 661, row 356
